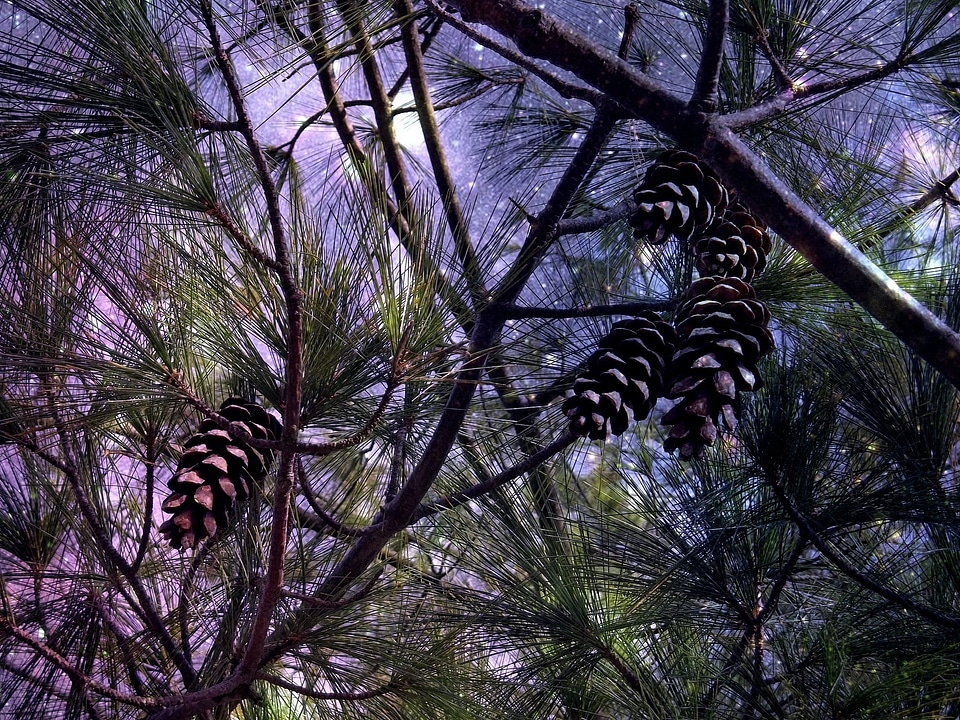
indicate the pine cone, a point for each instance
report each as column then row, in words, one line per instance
column 734, row 246
column 215, row 472
column 679, row 195
column 627, row 371
column 722, row 330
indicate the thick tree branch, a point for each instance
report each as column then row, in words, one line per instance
column 543, row 36
column 704, row 97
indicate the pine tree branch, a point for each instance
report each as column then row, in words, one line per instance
column 767, row 609
column 490, row 484
column 540, row 35
column 784, row 81
column 889, row 594
column 457, row 223
column 71, row 671
column 341, row 696
column 940, row 191
column 240, row 237
column 316, row 46
column 518, row 312
column 543, row 227
column 293, row 300
column 704, row 98
column 150, row 463
column 598, row 220
column 796, row 92
column 321, row 521
column 144, row 603
column 563, row 88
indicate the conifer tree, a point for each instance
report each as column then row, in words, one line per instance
column 479, row 359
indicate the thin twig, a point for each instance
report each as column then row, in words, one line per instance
column 341, row 696
column 326, row 448
column 75, row 675
column 144, row 602
column 240, row 237
column 322, row 520
column 150, row 463
column 798, row 91
column 487, row 486
column 517, row 312
column 889, row 594
column 784, row 81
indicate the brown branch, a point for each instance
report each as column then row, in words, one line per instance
column 240, row 237
column 123, row 642
column 769, row 606
column 325, row 448
column 940, row 191
column 316, row 47
column 71, row 671
column 459, row 227
column 151, row 454
column 344, row 697
column 270, row 590
column 704, row 98
column 784, row 81
column 492, row 483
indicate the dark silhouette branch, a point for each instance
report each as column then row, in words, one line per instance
column 562, row 87
column 799, row 91
column 71, row 671
column 517, row 312
column 341, row 696
column 889, row 594
column 144, row 605
column 704, row 98
column 490, row 484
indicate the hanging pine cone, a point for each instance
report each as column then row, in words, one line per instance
column 215, row 472
column 627, row 371
column 722, row 330
column 735, row 245
column 679, row 195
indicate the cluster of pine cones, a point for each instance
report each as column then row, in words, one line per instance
column 708, row 357
column 215, row 471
